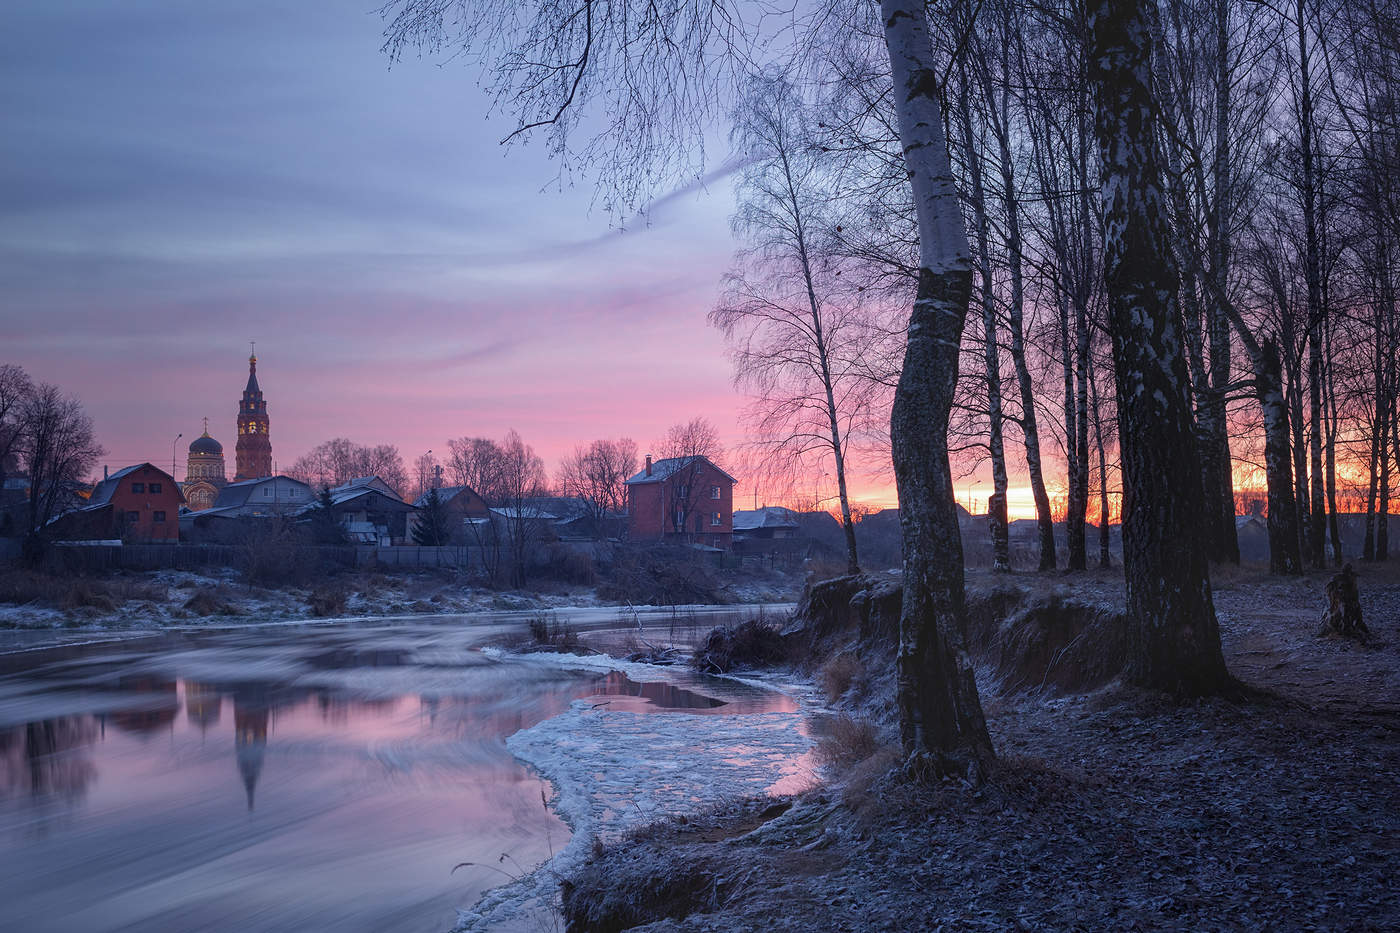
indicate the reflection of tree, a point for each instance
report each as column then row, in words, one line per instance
column 158, row 709
column 48, row 757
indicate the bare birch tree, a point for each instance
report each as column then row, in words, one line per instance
column 796, row 346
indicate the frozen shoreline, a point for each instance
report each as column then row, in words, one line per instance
column 614, row 771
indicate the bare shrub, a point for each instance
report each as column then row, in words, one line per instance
column 568, row 565
column 551, row 634
column 328, row 600
column 660, row 575
column 755, row 642
column 206, row 603
column 838, row 675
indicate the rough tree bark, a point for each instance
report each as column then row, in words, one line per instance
column 940, row 712
column 1174, row 638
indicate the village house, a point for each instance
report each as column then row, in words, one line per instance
column 140, row 503
column 370, row 511
column 465, row 509
column 240, row 503
column 683, row 500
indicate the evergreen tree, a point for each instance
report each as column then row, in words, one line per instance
column 432, row 529
column 325, row 528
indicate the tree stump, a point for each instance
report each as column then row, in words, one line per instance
column 1342, row 617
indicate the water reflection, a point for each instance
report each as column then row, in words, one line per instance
column 353, row 760
column 48, row 757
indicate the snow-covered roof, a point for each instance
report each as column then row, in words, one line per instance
column 361, row 483
column 525, row 512
column 661, row 469
column 445, row 494
column 233, row 495
column 770, row 516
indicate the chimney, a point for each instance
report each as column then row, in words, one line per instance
column 104, row 469
column 648, row 464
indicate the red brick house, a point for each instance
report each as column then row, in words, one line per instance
column 139, row 503
column 681, row 499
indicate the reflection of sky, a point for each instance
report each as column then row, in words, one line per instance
column 178, row 179
column 311, row 798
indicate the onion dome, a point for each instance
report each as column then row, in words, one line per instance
column 207, row 446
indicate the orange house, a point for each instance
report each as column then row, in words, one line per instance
column 144, row 501
column 681, row 500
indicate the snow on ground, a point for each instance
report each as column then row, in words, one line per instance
column 614, row 771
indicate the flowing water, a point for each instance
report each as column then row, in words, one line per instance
column 299, row 777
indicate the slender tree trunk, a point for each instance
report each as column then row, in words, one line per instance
column 1174, row 637
column 1105, row 557
column 1312, row 269
column 1218, row 221
column 1284, row 554
column 991, row 353
column 838, row 452
column 1074, row 507
column 1300, row 447
column 1045, row 521
column 940, row 711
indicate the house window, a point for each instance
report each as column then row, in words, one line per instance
column 133, row 517
column 138, row 487
column 155, row 487
column 683, row 492
column 158, row 516
column 714, row 492
column 680, row 519
column 267, row 492
column 716, row 518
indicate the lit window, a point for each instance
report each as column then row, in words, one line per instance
column 138, row 487
column 715, row 517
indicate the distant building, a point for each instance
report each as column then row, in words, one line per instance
column 683, row 500
column 226, row 521
column 371, row 512
column 253, row 453
column 465, row 510
column 139, row 503
column 769, row 523
column 204, row 471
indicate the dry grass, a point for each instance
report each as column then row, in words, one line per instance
column 847, row 740
column 551, row 634
column 840, row 675
column 22, row 586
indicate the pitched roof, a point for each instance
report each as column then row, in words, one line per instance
column 661, row 469
column 233, row 495
column 361, row 483
column 102, row 492
column 770, row 516
column 445, row 494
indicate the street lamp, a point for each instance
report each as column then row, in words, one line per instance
column 172, row 455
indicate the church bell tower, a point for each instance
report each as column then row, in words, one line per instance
column 253, row 454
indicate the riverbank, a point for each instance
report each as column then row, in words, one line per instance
column 1113, row 808
column 124, row 600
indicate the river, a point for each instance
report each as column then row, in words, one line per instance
column 330, row 776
